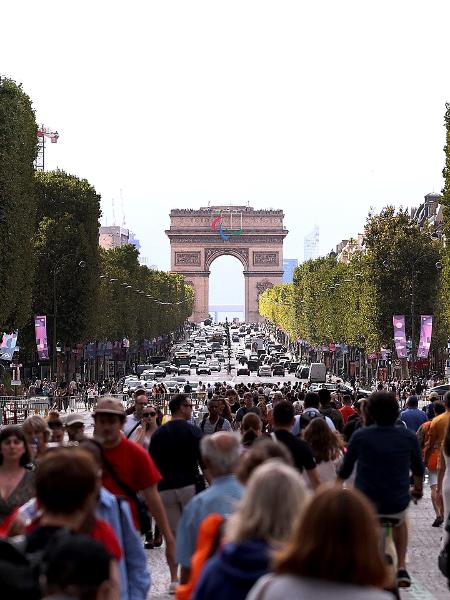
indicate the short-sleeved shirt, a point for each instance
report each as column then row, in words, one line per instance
column 175, row 448
column 244, row 410
column 414, row 418
column 132, row 465
column 209, row 428
column 384, row 457
column 301, row 453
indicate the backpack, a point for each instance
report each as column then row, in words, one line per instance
column 308, row 415
column 20, row 571
column 218, row 426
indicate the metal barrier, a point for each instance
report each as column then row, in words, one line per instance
column 15, row 409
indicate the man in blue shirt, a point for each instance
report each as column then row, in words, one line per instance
column 412, row 416
column 384, row 456
column 220, row 454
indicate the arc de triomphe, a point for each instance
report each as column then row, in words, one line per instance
column 255, row 237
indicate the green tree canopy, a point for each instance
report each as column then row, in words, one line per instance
column 18, row 147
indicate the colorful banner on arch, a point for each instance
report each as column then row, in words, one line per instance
column 399, row 335
column 426, row 329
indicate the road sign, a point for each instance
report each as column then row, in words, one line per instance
column 16, row 382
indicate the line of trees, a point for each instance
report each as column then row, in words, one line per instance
column 49, row 225
column 400, row 272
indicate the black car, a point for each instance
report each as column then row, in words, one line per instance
column 243, row 370
column 293, row 367
column 278, row 369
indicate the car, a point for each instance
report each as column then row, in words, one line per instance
column 148, row 376
column 278, row 369
column 243, row 370
column 302, row 373
column 172, row 369
column 235, row 337
column 132, row 385
column 214, row 365
column 264, row 371
column 160, row 372
column 186, row 369
column 293, row 367
column 440, row 389
column 253, row 357
column 194, row 364
column 203, row 369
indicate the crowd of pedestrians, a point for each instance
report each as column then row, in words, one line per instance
column 267, row 492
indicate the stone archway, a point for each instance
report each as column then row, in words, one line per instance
column 255, row 237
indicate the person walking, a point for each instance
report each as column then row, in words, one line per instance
column 220, row 454
column 175, row 448
column 283, row 420
column 147, row 427
column 412, row 416
column 320, row 562
column 213, row 421
column 385, row 455
column 16, row 481
column 327, row 447
column 253, row 532
column 129, row 471
column 134, row 419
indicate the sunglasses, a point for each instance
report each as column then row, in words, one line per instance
column 149, row 414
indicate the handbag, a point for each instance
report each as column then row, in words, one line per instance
column 145, row 522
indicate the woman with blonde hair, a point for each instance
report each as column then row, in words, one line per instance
column 334, row 553
column 253, row 531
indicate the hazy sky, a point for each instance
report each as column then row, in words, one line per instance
column 320, row 108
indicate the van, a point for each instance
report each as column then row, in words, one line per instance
column 317, row 373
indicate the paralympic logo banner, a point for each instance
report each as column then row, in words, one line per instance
column 399, row 335
column 9, row 341
column 225, row 234
column 40, row 330
column 426, row 329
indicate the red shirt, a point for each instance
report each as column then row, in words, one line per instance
column 101, row 532
column 132, row 465
column 346, row 411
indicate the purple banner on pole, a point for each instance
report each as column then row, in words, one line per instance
column 399, row 335
column 426, row 329
column 40, row 330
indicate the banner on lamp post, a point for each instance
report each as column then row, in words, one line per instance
column 40, row 330
column 426, row 329
column 8, row 345
column 399, row 335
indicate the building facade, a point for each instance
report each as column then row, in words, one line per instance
column 311, row 245
column 113, row 236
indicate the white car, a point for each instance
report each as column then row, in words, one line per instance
column 264, row 371
column 214, row 365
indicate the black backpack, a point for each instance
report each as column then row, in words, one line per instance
column 218, row 426
column 20, row 571
column 308, row 415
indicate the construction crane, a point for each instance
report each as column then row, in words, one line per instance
column 43, row 133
